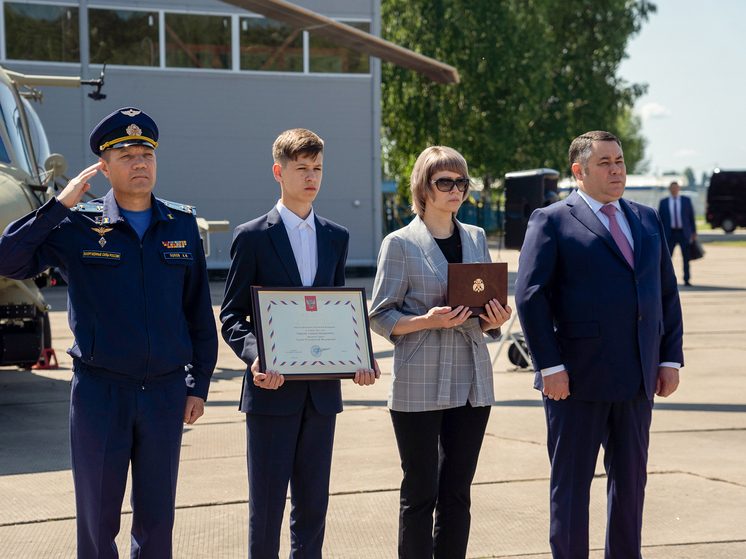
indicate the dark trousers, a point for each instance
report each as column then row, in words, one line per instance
column 111, row 427
column 676, row 237
column 294, row 449
column 576, row 431
column 439, row 452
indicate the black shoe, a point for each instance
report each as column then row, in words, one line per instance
column 687, row 284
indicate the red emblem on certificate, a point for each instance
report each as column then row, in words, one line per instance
column 310, row 303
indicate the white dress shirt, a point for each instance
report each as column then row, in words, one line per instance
column 621, row 219
column 302, row 235
column 674, row 210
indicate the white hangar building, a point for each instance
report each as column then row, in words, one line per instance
column 222, row 80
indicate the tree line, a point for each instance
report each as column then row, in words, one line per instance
column 534, row 75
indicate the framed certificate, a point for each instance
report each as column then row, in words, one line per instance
column 307, row 333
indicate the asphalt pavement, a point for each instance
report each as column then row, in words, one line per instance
column 696, row 493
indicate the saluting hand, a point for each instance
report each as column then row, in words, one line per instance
column 271, row 380
column 73, row 192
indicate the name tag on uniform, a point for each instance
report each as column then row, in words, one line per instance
column 102, row 256
column 177, row 256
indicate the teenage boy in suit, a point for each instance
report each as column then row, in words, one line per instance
column 289, row 426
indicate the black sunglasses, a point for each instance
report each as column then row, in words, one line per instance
column 446, row 185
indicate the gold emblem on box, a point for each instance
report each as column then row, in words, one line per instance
column 478, row 285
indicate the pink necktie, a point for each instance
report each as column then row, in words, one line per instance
column 619, row 237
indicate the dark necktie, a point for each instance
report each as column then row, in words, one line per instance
column 616, row 232
column 676, row 224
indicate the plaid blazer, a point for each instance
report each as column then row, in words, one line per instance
column 438, row 368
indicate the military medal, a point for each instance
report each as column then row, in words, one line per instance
column 102, row 231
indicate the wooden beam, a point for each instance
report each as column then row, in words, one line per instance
column 344, row 35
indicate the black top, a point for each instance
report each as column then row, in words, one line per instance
column 451, row 247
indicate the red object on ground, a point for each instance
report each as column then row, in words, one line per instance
column 48, row 360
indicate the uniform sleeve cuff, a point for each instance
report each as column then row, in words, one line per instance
column 54, row 211
column 198, row 388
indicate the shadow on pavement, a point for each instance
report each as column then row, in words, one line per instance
column 711, row 288
column 34, row 415
column 227, row 374
column 669, row 406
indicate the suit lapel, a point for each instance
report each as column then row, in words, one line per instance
column 433, row 255
column 279, row 236
column 584, row 214
column 635, row 224
column 323, row 249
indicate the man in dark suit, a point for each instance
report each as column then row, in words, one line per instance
column 677, row 215
column 289, row 426
column 598, row 302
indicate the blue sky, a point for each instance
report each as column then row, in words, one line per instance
column 692, row 55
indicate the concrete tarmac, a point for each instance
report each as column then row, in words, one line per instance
column 696, row 492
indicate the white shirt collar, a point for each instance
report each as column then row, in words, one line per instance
column 293, row 221
column 595, row 204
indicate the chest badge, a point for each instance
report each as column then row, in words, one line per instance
column 102, row 231
column 478, row 285
column 174, row 244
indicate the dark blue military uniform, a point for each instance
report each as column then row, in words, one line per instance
column 145, row 339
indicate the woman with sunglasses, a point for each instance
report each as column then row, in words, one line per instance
column 441, row 382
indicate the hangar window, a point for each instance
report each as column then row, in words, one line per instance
column 268, row 45
column 198, row 41
column 123, row 37
column 41, row 32
column 328, row 57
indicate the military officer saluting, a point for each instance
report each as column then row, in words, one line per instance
column 145, row 338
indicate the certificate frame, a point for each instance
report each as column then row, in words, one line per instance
column 332, row 343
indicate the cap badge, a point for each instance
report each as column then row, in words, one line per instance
column 131, row 112
column 102, row 231
column 134, row 130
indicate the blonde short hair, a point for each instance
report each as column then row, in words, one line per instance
column 431, row 161
column 296, row 142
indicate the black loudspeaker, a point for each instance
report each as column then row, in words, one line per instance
column 526, row 191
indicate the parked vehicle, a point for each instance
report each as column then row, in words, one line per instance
column 28, row 178
column 726, row 200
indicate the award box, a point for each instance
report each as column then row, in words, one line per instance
column 473, row 285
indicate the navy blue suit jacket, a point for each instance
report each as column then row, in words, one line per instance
column 261, row 255
column 583, row 306
column 688, row 227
